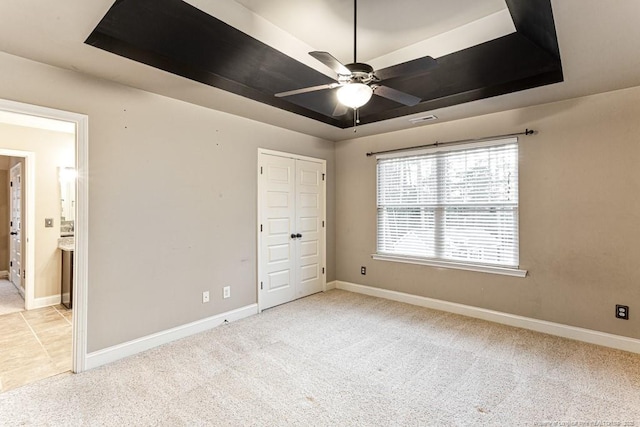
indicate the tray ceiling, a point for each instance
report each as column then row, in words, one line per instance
column 178, row 37
column 599, row 46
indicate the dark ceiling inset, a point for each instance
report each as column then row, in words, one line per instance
column 176, row 37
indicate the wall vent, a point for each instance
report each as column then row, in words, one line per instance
column 423, row 119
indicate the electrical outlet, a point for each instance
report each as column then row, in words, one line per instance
column 363, row 270
column 622, row 312
column 226, row 292
column 48, row 222
column 205, row 297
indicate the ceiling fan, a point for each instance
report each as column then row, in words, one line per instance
column 357, row 82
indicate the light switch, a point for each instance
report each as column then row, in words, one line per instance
column 48, row 222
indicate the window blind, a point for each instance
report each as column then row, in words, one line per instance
column 456, row 204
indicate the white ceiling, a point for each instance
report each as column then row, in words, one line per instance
column 383, row 26
column 599, row 45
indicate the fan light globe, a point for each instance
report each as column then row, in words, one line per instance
column 354, row 95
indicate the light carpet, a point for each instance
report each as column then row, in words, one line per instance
column 345, row 359
column 10, row 299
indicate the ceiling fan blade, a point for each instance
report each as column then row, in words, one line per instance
column 327, row 59
column 340, row 110
column 396, row 95
column 407, row 69
column 307, row 89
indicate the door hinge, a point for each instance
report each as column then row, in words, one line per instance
column 322, row 270
column 322, row 224
column 11, row 184
column 260, row 170
column 260, row 285
column 10, row 263
column 323, row 177
column 24, row 275
column 261, row 228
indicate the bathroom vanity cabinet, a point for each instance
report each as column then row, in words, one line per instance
column 67, row 277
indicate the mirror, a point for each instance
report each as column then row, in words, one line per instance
column 67, row 179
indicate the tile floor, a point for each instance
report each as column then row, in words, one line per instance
column 34, row 344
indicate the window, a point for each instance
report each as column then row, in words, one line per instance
column 456, row 204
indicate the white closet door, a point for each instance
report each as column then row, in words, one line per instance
column 277, row 211
column 291, row 235
column 309, row 212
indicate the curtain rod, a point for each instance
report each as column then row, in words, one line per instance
column 461, row 141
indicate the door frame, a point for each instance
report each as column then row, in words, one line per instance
column 262, row 151
column 81, row 262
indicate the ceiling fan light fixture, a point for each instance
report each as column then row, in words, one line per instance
column 354, row 95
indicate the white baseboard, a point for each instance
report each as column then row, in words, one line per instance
column 4, row 274
column 551, row 328
column 331, row 285
column 45, row 301
column 120, row 351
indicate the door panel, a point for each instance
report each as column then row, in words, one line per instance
column 309, row 212
column 277, row 219
column 291, row 203
column 279, row 280
column 278, row 226
column 308, row 225
column 278, row 199
column 309, row 272
column 309, row 177
column 279, row 253
column 308, row 200
column 308, row 249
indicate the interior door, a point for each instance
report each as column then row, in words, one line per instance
column 291, row 235
column 277, row 209
column 309, row 213
column 15, row 241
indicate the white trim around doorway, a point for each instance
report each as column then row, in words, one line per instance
column 81, row 262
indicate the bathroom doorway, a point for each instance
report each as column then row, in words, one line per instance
column 42, row 296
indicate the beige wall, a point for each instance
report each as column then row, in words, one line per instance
column 172, row 200
column 579, row 214
column 51, row 149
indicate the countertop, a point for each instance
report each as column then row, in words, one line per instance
column 67, row 243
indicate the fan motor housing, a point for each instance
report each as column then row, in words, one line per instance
column 360, row 72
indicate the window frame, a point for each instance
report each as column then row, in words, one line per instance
column 439, row 262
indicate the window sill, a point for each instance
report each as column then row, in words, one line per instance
column 455, row 265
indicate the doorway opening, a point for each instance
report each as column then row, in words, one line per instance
column 34, row 231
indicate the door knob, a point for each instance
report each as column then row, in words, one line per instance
column 15, row 233
column 298, row 235
column 293, row 235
